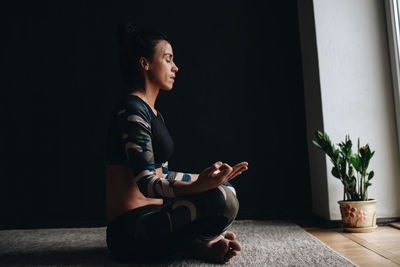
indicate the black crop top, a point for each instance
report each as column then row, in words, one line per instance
column 163, row 145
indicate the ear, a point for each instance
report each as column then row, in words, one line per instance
column 144, row 63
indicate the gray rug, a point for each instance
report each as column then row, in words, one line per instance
column 265, row 243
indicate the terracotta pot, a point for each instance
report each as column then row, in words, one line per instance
column 358, row 216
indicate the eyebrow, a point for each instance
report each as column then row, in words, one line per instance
column 168, row 54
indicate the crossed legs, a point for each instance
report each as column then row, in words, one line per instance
column 194, row 223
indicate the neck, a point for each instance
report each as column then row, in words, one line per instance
column 149, row 94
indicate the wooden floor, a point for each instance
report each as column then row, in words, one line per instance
column 375, row 249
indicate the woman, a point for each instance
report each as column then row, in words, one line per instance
column 153, row 212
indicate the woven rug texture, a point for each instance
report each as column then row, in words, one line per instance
column 265, row 243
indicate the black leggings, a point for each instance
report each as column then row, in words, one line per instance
column 155, row 232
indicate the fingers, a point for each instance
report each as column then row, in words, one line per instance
column 225, row 172
column 213, row 167
column 216, row 165
column 225, row 168
column 236, row 173
column 233, row 175
column 222, row 172
column 237, row 170
column 240, row 166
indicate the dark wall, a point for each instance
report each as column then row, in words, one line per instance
column 238, row 96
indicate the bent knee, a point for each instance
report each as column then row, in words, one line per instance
column 222, row 201
column 231, row 201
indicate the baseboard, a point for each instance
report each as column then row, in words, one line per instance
column 395, row 224
column 324, row 223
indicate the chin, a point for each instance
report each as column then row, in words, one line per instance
column 167, row 88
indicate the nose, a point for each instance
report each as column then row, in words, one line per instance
column 175, row 68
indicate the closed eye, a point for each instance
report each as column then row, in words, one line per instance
column 169, row 58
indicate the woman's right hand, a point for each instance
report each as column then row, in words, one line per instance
column 216, row 175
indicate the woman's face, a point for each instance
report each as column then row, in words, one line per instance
column 162, row 69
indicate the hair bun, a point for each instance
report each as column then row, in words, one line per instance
column 125, row 32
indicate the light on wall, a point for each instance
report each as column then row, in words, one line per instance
column 392, row 19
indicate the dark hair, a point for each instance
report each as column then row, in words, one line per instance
column 134, row 44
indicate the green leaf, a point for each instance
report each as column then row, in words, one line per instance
column 343, row 167
column 335, row 172
column 370, row 175
column 353, row 182
column 356, row 161
column 322, row 141
column 316, row 144
column 363, row 151
column 351, row 170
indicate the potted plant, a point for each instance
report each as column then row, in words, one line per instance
column 357, row 210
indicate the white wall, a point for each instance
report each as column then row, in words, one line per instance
column 355, row 93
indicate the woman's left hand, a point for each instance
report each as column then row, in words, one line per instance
column 216, row 175
column 236, row 170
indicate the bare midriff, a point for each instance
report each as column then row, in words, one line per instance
column 123, row 193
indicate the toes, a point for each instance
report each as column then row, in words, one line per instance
column 230, row 254
column 235, row 245
column 230, row 236
column 227, row 257
column 223, row 244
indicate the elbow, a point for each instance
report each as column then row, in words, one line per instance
column 143, row 191
column 143, row 180
column 146, row 186
column 152, row 186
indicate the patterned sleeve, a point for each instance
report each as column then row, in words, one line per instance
column 174, row 175
column 136, row 136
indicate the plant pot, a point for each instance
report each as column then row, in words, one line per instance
column 358, row 216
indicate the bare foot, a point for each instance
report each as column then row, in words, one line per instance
column 219, row 250
column 234, row 246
